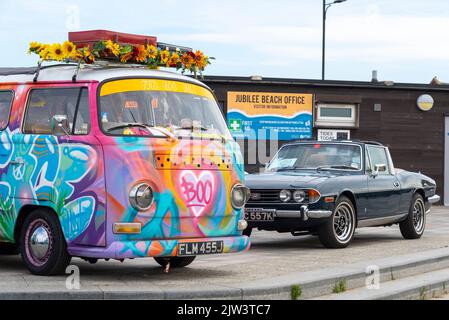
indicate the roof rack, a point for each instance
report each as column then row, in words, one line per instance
column 78, row 66
column 30, row 70
column 172, row 47
column 17, row 71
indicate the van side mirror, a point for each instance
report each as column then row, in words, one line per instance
column 60, row 125
column 379, row 168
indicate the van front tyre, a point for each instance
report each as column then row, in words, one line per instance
column 175, row 262
column 337, row 232
column 42, row 244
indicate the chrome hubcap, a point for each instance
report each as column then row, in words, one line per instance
column 419, row 212
column 343, row 222
column 39, row 243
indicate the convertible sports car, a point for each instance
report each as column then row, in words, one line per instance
column 329, row 189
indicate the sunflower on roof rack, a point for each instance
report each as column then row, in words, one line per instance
column 108, row 50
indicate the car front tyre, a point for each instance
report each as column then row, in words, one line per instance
column 337, row 232
column 413, row 227
column 42, row 244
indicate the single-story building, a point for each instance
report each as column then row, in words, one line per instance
column 411, row 119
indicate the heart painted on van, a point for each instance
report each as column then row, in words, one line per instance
column 197, row 190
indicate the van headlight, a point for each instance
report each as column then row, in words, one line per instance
column 141, row 196
column 239, row 196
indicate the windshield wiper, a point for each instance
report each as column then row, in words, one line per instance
column 287, row 169
column 343, row 167
column 191, row 128
column 128, row 125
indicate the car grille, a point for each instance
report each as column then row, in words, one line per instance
column 270, row 196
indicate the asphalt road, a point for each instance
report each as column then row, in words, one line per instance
column 271, row 255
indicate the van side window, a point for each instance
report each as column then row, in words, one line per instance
column 82, row 119
column 6, row 98
column 44, row 104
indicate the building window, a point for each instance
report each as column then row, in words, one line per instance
column 336, row 115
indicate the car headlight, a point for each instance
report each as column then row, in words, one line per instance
column 239, row 196
column 141, row 197
column 299, row 196
column 285, row 195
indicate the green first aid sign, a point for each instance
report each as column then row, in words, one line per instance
column 235, row 125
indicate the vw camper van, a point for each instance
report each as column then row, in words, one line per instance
column 114, row 163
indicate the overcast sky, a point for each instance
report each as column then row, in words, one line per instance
column 406, row 41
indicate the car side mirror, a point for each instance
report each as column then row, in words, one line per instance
column 378, row 168
column 60, row 125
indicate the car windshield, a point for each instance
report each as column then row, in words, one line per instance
column 317, row 157
column 144, row 106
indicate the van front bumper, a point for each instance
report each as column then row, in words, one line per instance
column 154, row 248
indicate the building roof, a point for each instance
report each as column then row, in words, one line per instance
column 65, row 72
column 324, row 83
column 351, row 141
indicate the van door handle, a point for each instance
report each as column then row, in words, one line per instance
column 396, row 184
column 17, row 162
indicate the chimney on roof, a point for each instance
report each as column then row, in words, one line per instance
column 436, row 82
column 374, row 76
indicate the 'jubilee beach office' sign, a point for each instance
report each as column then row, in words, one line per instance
column 289, row 115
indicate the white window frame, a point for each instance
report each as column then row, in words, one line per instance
column 336, row 122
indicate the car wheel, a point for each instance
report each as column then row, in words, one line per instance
column 247, row 232
column 338, row 231
column 9, row 249
column 413, row 227
column 42, row 244
column 175, row 262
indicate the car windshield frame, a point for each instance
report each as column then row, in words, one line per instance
column 223, row 136
column 320, row 168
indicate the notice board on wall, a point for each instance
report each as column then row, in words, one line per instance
column 252, row 115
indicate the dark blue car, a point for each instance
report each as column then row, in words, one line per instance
column 329, row 189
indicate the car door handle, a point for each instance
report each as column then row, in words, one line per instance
column 396, row 184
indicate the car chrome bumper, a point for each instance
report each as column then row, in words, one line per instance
column 304, row 213
column 434, row 199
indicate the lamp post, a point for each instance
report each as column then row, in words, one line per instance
column 326, row 7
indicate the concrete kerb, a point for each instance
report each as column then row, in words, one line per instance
column 322, row 282
column 312, row 284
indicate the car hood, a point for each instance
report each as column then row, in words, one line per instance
column 279, row 180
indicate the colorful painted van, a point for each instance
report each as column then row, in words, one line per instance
column 121, row 163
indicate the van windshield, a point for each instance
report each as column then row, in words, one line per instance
column 138, row 106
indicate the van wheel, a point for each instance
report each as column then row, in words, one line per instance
column 337, row 232
column 175, row 262
column 43, row 245
column 9, row 249
column 415, row 223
